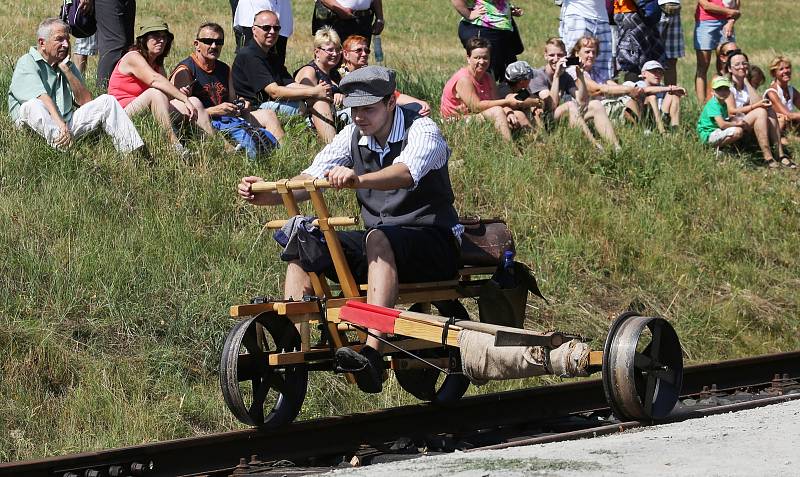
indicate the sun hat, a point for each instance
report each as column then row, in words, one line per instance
column 518, row 71
column 367, row 85
column 720, row 82
column 151, row 25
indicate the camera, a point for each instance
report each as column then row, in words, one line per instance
column 239, row 104
column 522, row 95
column 573, row 61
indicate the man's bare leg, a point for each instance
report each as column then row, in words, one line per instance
column 268, row 120
column 381, row 276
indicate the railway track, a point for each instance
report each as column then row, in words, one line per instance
column 486, row 418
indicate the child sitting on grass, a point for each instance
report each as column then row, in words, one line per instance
column 716, row 129
column 664, row 102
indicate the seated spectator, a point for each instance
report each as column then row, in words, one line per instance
column 355, row 55
column 662, row 103
column 260, row 77
column 45, row 91
column 471, row 92
column 756, row 76
column 203, row 76
column 715, row 130
column 745, row 103
column 349, row 17
column 518, row 77
column 323, row 68
column 784, row 97
column 619, row 100
column 139, row 83
column 559, row 92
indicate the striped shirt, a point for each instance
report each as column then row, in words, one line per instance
column 426, row 149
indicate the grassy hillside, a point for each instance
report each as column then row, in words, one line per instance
column 116, row 276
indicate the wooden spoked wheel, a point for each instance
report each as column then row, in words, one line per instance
column 642, row 367
column 428, row 384
column 255, row 392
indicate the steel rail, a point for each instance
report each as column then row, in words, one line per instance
column 344, row 434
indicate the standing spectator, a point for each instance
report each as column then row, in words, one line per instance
column 349, row 17
column 115, row 20
column 84, row 48
column 714, row 24
column 208, row 79
column 671, row 32
column 260, row 76
column 581, row 18
column 47, row 93
column 246, row 11
column 493, row 21
column 639, row 37
column 472, row 93
column 139, row 83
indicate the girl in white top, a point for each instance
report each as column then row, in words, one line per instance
column 784, row 97
column 745, row 103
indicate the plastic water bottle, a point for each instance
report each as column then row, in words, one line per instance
column 377, row 48
column 505, row 272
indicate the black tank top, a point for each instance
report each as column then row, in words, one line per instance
column 211, row 89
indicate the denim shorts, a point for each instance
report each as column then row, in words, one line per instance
column 708, row 34
column 288, row 108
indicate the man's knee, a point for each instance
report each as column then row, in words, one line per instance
column 378, row 245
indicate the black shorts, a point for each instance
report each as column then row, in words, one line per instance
column 421, row 254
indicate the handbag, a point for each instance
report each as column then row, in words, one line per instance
column 81, row 25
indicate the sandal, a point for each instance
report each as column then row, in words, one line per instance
column 772, row 163
column 787, row 162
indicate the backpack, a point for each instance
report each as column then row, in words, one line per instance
column 650, row 11
column 80, row 24
column 252, row 139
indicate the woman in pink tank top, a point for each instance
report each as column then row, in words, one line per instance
column 472, row 93
column 139, row 83
column 714, row 21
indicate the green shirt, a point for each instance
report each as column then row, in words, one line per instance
column 498, row 15
column 33, row 77
column 706, row 124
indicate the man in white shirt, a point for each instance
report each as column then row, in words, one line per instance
column 243, row 22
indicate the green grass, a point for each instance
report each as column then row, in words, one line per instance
column 116, row 276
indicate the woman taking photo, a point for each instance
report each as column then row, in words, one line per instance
column 139, row 83
column 745, row 103
column 472, row 93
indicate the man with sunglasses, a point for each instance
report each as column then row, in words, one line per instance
column 260, row 76
column 397, row 163
column 245, row 10
column 205, row 77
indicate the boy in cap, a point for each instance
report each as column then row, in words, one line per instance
column 397, row 162
column 714, row 127
column 663, row 101
column 518, row 76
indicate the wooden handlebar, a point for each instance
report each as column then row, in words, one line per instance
column 332, row 221
column 305, row 184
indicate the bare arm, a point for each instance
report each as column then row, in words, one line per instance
column 136, row 65
column 79, row 91
column 403, row 99
column 298, row 91
column 467, row 94
column 377, row 7
column 723, row 124
column 781, row 108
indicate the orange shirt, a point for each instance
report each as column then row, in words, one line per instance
column 624, row 6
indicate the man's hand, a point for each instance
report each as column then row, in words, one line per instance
column 677, row 91
column 338, row 98
column 227, row 109
column 86, row 6
column 345, row 13
column 513, row 103
column 191, row 111
column 377, row 26
column 517, row 12
column 64, row 139
column 341, row 177
column 560, row 67
column 425, row 110
column 246, row 193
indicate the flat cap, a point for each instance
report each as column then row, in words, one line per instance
column 367, row 85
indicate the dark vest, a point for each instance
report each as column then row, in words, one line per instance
column 332, row 79
column 210, row 89
column 430, row 203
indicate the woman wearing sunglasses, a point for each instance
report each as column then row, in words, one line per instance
column 139, row 83
column 356, row 52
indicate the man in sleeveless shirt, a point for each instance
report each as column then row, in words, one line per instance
column 207, row 78
column 397, row 162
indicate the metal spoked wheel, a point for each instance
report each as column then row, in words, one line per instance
column 256, row 393
column 642, row 367
column 427, row 384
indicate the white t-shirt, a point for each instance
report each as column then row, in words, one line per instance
column 356, row 4
column 247, row 9
column 591, row 9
